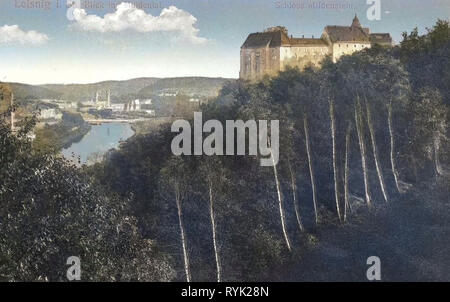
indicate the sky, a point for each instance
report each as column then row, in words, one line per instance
column 45, row 41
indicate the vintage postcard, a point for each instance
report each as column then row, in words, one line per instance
column 224, row 141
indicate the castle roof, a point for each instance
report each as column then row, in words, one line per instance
column 347, row 34
column 307, row 42
column 269, row 38
column 277, row 36
column 380, row 38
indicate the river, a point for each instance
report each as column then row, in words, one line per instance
column 99, row 140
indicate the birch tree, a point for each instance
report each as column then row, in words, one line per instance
column 263, row 107
column 303, row 93
column 216, row 179
column 362, row 147
column 311, row 168
column 392, row 147
column 294, row 197
column 335, row 169
column 375, row 152
column 174, row 179
column 347, row 206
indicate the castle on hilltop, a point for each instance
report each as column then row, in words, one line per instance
column 272, row 50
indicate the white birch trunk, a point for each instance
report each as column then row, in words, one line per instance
column 437, row 145
column 280, row 204
column 183, row 237
column 362, row 147
column 311, row 169
column 375, row 153
column 392, row 153
column 213, row 224
column 294, row 198
column 333, row 137
column 346, row 173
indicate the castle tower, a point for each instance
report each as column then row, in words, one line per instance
column 96, row 97
column 356, row 22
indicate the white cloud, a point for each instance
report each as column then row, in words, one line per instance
column 13, row 34
column 128, row 17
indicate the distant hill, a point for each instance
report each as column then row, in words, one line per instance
column 199, row 86
column 84, row 92
column 23, row 91
column 140, row 87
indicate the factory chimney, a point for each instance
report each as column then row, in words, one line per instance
column 108, row 100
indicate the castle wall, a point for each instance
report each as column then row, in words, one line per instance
column 347, row 48
column 302, row 56
column 257, row 62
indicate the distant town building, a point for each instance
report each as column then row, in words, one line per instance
column 88, row 103
column 134, row 106
column 150, row 112
column 100, row 102
column 167, row 94
column 68, row 105
column 118, row 107
column 137, row 105
column 273, row 50
column 50, row 113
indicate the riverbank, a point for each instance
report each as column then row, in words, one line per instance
column 106, row 136
column 150, row 125
column 98, row 142
column 54, row 138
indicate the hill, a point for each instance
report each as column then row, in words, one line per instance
column 23, row 91
column 193, row 86
column 139, row 87
column 80, row 92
